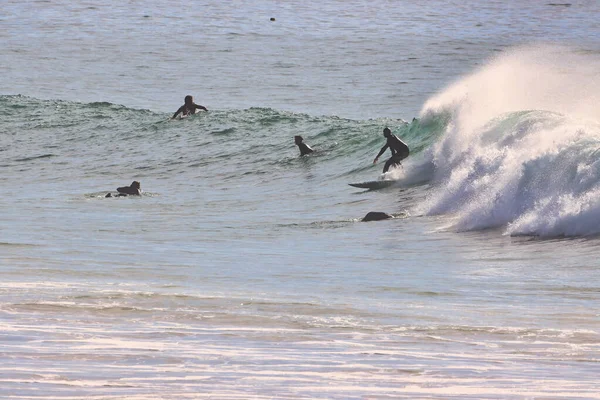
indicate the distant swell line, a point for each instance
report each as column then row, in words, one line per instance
column 35, row 157
column 16, row 244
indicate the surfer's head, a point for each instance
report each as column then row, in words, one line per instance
column 387, row 132
column 135, row 185
column 298, row 139
column 189, row 99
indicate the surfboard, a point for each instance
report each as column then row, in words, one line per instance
column 373, row 184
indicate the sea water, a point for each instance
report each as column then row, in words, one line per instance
column 243, row 271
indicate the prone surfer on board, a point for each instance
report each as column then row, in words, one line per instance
column 188, row 108
column 398, row 148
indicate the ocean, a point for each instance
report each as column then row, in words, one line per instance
column 244, row 271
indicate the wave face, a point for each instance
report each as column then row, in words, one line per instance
column 514, row 146
column 520, row 151
column 102, row 137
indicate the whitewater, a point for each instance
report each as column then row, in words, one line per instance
column 243, row 271
column 520, row 151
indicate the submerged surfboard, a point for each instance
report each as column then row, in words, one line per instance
column 373, row 184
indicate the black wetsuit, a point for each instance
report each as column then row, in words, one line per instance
column 304, row 149
column 399, row 151
column 188, row 109
column 133, row 189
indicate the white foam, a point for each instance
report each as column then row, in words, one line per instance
column 520, row 150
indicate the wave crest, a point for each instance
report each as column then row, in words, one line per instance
column 520, row 153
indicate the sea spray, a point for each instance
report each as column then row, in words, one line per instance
column 520, row 151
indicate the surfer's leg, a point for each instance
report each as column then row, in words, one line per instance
column 388, row 164
column 393, row 162
column 397, row 160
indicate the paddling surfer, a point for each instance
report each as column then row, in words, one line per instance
column 188, row 108
column 398, row 148
column 304, row 148
column 133, row 189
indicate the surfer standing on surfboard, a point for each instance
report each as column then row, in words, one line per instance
column 398, row 148
column 188, row 108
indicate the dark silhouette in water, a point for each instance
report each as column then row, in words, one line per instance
column 304, row 148
column 188, row 108
column 398, row 148
column 376, row 216
column 134, row 189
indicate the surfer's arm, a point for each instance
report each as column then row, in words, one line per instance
column 201, row 107
column 383, row 149
column 180, row 110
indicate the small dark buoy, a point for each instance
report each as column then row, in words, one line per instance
column 376, row 216
column 272, row 19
